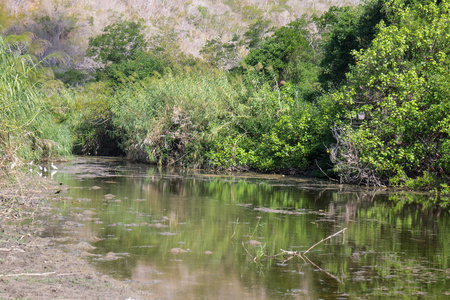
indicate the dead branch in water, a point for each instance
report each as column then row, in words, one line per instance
column 292, row 254
column 254, row 258
column 296, row 253
column 323, row 240
column 326, row 272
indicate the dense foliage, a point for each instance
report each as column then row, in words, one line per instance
column 359, row 93
column 122, row 52
column 287, row 55
column 32, row 115
column 119, row 42
column 343, row 30
column 400, row 85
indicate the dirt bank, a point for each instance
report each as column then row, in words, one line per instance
column 32, row 267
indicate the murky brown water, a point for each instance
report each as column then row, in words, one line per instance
column 193, row 235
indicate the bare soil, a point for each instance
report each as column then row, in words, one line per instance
column 33, row 267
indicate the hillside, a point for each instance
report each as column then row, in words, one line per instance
column 68, row 24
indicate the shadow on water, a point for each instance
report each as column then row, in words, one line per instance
column 192, row 234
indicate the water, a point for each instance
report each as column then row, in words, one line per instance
column 194, row 235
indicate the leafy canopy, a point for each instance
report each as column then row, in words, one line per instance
column 119, row 42
column 345, row 29
column 280, row 53
column 399, row 87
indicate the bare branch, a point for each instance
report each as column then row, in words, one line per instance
column 323, row 240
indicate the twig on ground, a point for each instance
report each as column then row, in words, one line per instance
column 27, row 274
column 37, row 274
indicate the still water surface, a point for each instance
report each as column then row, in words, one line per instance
column 193, row 235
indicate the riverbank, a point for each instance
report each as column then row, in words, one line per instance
column 33, row 267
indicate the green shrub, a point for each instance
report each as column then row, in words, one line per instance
column 287, row 55
column 399, row 89
column 280, row 130
column 91, row 122
column 211, row 121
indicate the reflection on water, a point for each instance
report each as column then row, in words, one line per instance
column 193, row 235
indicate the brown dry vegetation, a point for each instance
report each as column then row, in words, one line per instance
column 191, row 22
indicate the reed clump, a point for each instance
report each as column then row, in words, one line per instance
column 210, row 120
column 30, row 127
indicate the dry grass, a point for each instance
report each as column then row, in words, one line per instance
column 194, row 22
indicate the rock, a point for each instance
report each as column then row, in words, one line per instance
column 158, row 225
column 85, row 254
column 110, row 256
column 177, row 251
column 167, row 233
column 254, row 243
column 84, row 246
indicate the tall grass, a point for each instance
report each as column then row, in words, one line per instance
column 208, row 120
column 171, row 120
column 29, row 128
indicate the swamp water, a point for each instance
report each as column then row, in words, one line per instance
column 193, row 235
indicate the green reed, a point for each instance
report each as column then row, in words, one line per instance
column 210, row 120
column 29, row 128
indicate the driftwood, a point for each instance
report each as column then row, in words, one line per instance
column 291, row 254
column 323, row 240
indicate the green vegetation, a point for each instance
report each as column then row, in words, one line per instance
column 121, row 50
column 32, row 114
column 287, row 55
column 400, row 84
column 119, row 42
column 359, row 93
column 344, row 30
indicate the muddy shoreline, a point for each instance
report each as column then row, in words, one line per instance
column 34, row 267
